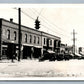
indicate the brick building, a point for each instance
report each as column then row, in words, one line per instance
column 33, row 42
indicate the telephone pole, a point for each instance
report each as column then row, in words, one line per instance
column 19, row 32
column 74, row 39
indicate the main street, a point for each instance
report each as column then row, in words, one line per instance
column 34, row 68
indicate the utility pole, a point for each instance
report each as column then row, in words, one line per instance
column 74, row 39
column 19, row 33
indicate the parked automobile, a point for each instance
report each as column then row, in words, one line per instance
column 82, row 55
column 77, row 56
column 51, row 56
column 60, row 57
column 68, row 56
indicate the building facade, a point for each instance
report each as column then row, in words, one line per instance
column 33, row 42
column 65, row 49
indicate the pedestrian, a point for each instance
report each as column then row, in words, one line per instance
column 13, row 56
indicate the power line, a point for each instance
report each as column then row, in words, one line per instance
column 44, row 25
column 47, row 21
column 50, row 22
column 41, row 24
column 41, row 11
column 25, row 13
column 53, row 30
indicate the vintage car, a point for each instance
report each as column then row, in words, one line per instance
column 49, row 55
column 68, row 56
column 77, row 56
column 60, row 57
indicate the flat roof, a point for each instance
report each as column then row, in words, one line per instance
column 29, row 28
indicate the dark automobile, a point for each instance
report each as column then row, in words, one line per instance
column 82, row 57
column 51, row 56
column 77, row 56
column 60, row 57
column 68, row 56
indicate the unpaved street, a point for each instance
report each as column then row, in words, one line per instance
column 34, row 68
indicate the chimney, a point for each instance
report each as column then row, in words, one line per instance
column 11, row 19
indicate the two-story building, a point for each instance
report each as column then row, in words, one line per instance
column 50, row 42
column 33, row 41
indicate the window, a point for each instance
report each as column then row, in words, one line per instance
column 30, row 38
column 59, row 42
column 26, row 38
column 15, row 35
column 8, row 34
column 34, row 39
column 56, row 43
column 50, row 42
column 38, row 40
column 44, row 41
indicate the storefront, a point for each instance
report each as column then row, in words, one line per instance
column 9, row 50
column 27, row 52
column 37, row 52
column 30, row 51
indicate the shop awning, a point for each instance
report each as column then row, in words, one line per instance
column 50, row 51
column 27, row 45
column 38, row 46
column 4, row 46
column 32, row 45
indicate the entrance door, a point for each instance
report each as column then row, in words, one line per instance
column 37, row 52
column 11, row 50
column 4, row 52
column 26, row 52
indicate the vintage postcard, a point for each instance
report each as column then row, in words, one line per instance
column 41, row 41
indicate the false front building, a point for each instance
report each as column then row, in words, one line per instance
column 33, row 42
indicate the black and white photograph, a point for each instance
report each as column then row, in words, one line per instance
column 41, row 40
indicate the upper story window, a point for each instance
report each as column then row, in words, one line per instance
column 59, row 42
column 56, row 43
column 26, row 38
column 30, row 38
column 44, row 41
column 34, row 39
column 15, row 35
column 50, row 42
column 8, row 34
column 38, row 40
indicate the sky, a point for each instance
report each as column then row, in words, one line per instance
column 56, row 19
